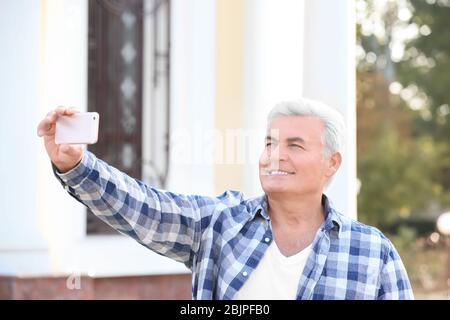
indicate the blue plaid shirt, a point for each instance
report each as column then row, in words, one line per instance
column 222, row 239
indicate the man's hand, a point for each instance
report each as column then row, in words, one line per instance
column 63, row 156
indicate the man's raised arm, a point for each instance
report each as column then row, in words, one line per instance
column 167, row 223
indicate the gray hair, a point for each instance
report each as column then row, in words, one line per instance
column 333, row 136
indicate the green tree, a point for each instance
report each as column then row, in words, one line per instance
column 403, row 156
column 426, row 65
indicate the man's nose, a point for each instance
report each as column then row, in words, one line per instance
column 278, row 153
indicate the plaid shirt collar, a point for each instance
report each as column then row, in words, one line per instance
column 332, row 219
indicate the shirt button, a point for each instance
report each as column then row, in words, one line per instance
column 245, row 273
column 267, row 239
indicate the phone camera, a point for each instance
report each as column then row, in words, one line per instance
column 93, row 118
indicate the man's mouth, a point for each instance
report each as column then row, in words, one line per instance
column 278, row 173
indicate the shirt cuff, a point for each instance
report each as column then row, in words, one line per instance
column 81, row 171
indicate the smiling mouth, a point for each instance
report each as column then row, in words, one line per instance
column 278, row 173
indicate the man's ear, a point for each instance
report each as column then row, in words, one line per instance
column 333, row 164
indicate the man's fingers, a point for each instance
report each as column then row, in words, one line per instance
column 60, row 110
column 47, row 124
column 72, row 110
column 63, row 111
column 52, row 117
column 44, row 127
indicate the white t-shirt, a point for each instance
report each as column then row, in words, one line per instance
column 276, row 277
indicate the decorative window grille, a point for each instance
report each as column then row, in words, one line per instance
column 116, row 40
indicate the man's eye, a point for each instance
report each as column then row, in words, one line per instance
column 268, row 144
column 296, row 146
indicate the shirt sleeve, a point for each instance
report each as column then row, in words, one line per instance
column 167, row 223
column 394, row 282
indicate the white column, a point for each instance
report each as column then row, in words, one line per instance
column 273, row 69
column 21, row 240
column 63, row 82
column 192, row 96
column 329, row 75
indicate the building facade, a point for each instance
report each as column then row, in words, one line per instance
column 204, row 70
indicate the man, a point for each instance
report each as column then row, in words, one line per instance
column 287, row 244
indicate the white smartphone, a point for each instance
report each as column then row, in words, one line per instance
column 79, row 128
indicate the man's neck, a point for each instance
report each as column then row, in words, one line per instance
column 295, row 221
column 295, row 210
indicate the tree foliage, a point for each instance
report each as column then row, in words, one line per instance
column 403, row 112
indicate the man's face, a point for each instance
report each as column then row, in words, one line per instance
column 293, row 161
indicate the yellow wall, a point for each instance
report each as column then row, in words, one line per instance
column 229, row 84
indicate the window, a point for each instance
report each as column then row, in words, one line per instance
column 134, row 133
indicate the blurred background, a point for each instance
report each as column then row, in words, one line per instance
column 403, row 132
column 183, row 88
